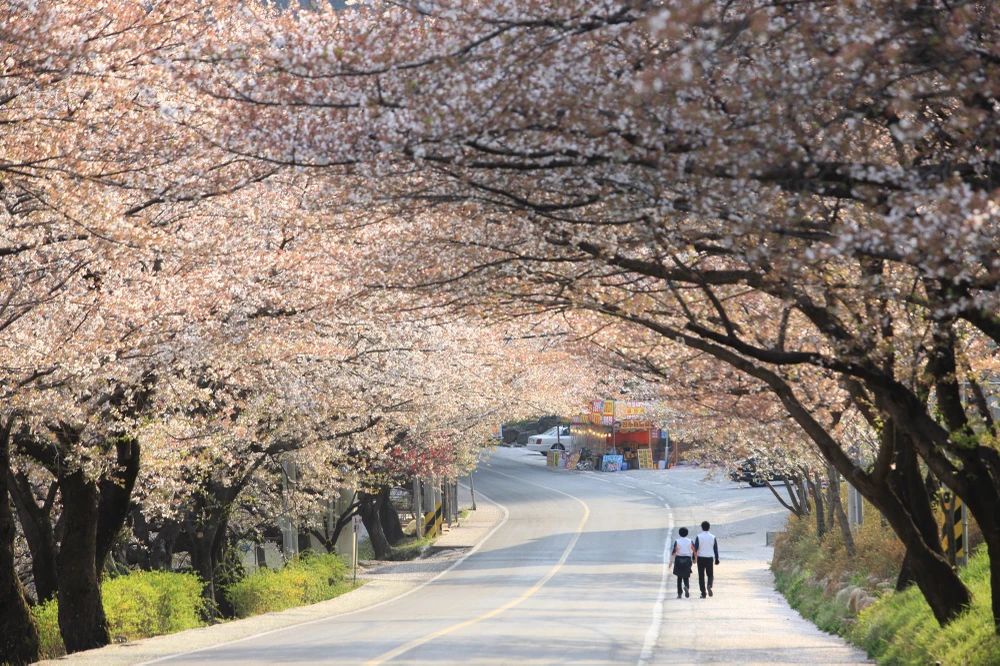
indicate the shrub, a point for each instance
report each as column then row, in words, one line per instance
column 47, row 615
column 152, row 603
column 139, row 605
column 307, row 580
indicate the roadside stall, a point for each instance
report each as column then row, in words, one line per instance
column 619, row 434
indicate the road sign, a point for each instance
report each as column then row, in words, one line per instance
column 433, row 521
column 961, row 534
column 357, row 524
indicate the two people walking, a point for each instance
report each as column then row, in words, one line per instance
column 683, row 554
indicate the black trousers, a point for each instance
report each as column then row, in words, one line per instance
column 705, row 565
column 683, row 583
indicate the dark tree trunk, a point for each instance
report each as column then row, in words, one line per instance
column 905, row 578
column 202, row 534
column 36, row 523
column 81, row 612
column 817, row 490
column 220, row 576
column 369, row 510
column 18, row 630
column 161, row 553
column 155, row 552
column 389, row 518
column 942, row 588
column 116, row 497
column 944, row 591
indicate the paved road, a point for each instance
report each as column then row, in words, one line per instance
column 574, row 575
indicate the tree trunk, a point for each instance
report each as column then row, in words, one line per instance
column 944, row 591
column 221, row 575
column 905, row 578
column 389, row 518
column 791, row 484
column 817, row 490
column 36, row 523
column 18, row 630
column 803, row 490
column 202, row 534
column 81, row 611
column 937, row 581
column 116, row 497
column 369, row 510
column 838, row 509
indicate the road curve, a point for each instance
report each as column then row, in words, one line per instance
column 574, row 575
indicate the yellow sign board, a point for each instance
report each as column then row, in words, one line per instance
column 645, row 459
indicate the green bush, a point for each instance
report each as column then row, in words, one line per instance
column 900, row 628
column 139, row 605
column 307, row 580
column 47, row 615
column 152, row 603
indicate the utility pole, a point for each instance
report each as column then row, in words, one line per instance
column 418, row 508
column 446, row 503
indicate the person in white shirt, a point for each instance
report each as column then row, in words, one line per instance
column 682, row 557
column 707, row 548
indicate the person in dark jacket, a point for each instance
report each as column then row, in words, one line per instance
column 682, row 557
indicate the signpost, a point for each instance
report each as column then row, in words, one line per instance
column 357, row 527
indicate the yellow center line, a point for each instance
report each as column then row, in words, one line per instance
column 392, row 654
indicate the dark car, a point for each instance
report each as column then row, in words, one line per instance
column 746, row 471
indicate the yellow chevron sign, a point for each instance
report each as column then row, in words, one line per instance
column 959, row 530
column 434, row 520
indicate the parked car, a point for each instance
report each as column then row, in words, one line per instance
column 746, row 471
column 553, row 439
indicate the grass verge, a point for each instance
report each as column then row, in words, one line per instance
column 900, row 628
column 828, row 588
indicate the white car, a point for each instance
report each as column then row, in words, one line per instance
column 553, row 439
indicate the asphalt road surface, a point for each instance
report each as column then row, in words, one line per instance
column 574, row 574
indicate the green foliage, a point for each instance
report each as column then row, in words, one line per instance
column 900, row 628
column 47, row 615
column 307, row 580
column 139, row 605
column 152, row 603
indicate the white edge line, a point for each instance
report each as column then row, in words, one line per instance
column 506, row 515
column 653, row 633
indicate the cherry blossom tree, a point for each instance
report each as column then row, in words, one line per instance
column 801, row 192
